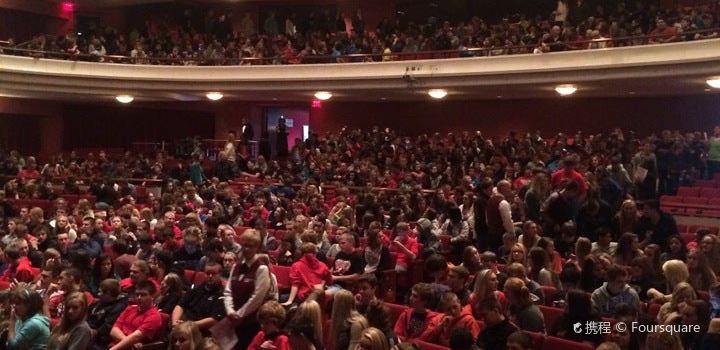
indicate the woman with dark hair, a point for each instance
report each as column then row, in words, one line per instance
column 102, row 270
column 589, row 274
column 456, row 227
column 539, row 271
column 627, row 249
column 676, row 249
column 471, row 260
column 578, row 308
column 161, row 262
column 701, row 275
column 643, row 276
column 29, row 328
column 377, row 316
column 171, row 291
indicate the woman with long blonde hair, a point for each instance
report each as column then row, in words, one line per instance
column 73, row 332
column 347, row 322
column 372, row 339
column 486, row 287
column 682, row 293
column 186, row 336
column 675, row 271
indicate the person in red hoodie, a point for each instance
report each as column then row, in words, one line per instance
column 568, row 173
column 413, row 323
column 455, row 317
column 271, row 317
column 404, row 247
column 306, row 274
column 18, row 267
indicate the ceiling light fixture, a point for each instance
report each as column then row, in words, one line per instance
column 714, row 82
column 565, row 89
column 214, row 96
column 437, row 93
column 124, row 98
column 323, row 95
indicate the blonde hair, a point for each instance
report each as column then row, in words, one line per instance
column 310, row 310
column 583, row 248
column 524, row 252
column 192, row 331
column 675, row 271
column 374, row 339
column 344, row 313
column 272, row 311
column 663, row 341
column 251, row 235
column 480, row 289
column 682, row 289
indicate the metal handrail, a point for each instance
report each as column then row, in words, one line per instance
column 470, row 52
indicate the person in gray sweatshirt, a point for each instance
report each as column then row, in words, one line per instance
column 615, row 292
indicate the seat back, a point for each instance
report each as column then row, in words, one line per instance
column 394, row 311
column 688, row 191
column 282, row 274
column 549, row 291
column 551, row 315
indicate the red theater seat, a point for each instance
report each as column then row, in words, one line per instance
column 653, row 309
column 710, row 192
column 706, row 183
column 537, row 338
column 549, row 291
column 688, row 192
column 282, row 273
column 394, row 311
column 551, row 315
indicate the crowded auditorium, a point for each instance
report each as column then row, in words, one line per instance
column 360, row 175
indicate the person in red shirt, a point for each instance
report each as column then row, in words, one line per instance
column 413, row 323
column 139, row 273
column 662, row 33
column 455, row 317
column 568, row 173
column 404, row 247
column 138, row 323
column 19, row 268
column 271, row 317
column 307, row 274
column 69, row 282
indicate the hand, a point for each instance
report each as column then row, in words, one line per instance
column 287, row 303
column 12, row 315
column 177, row 322
column 137, row 346
column 268, row 344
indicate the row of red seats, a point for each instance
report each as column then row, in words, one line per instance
column 47, row 205
column 691, row 206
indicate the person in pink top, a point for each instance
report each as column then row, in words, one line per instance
column 404, row 247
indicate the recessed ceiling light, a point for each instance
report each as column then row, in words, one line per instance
column 214, row 96
column 714, row 82
column 566, row 89
column 323, row 95
column 274, row 98
column 499, row 96
column 437, row 93
column 631, row 92
column 707, row 89
column 124, row 98
column 383, row 98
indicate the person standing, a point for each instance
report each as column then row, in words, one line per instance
column 282, row 134
column 250, row 285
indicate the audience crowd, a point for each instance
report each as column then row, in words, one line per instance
column 294, row 252
column 322, row 37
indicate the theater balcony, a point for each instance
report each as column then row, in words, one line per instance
column 652, row 70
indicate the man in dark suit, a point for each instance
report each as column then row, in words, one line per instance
column 247, row 130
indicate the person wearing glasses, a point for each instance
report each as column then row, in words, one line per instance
column 29, row 328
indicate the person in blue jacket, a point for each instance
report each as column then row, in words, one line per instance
column 32, row 328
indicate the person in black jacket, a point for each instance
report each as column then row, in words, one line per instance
column 578, row 310
column 105, row 312
column 497, row 327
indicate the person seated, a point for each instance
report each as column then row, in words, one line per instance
column 681, row 294
column 271, row 317
column 73, row 332
column 378, row 317
column 462, row 339
column 569, row 280
column 518, row 270
column 454, row 317
column 186, row 335
column 347, row 322
column 523, row 312
column 307, row 274
column 349, row 264
column 377, row 255
column 436, row 268
column 122, row 261
column 28, row 327
column 203, row 304
column 105, row 312
column 497, row 327
column 457, row 280
column 614, row 292
column 519, row 341
column 578, row 308
column 604, row 243
column 405, row 247
column 171, row 291
column 18, row 267
column 138, row 323
column 413, row 323
column 190, row 254
column 367, row 287
column 139, row 272
column 70, row 281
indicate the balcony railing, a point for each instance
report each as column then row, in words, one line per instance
column 371, row 57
